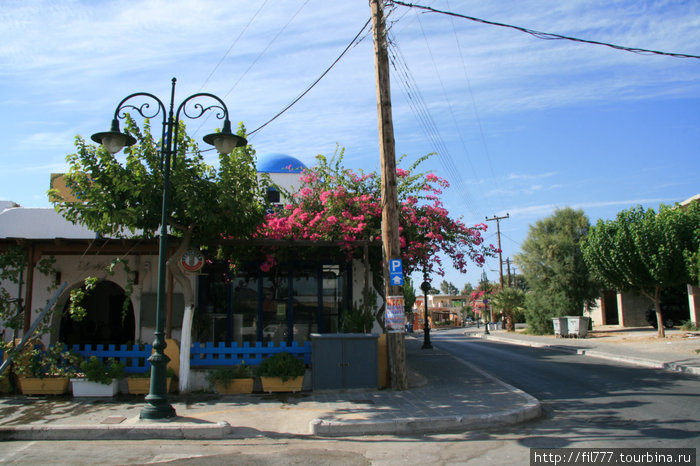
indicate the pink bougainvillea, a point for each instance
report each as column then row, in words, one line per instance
column 338, row 204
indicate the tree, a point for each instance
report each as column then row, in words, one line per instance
column 484, row 291
column 448, row 288
column 508, row 300
column 119, row 200
column 467, row 289
column 645, row 250
column 340, row 205
column 552, row 264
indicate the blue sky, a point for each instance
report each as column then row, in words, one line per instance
column 522, row 125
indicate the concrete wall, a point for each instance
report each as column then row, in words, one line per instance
column 694, row 303
column 632, row 308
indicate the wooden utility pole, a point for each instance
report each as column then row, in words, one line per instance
column 500, row 256
column 390, row 204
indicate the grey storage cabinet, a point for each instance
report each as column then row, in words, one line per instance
column 344, row 361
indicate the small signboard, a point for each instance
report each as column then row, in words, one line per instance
column 396, row 272
column 394, row 318
column 192, row 260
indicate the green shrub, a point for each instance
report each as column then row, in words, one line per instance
column 224, row 375
column 56, row 361
column 282, row 365
column 97, row 371
column 689, row 326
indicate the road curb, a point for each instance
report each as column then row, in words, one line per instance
column 649, row 363
column 217, row 431
column 434, row 425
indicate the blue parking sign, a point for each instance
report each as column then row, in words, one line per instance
column 396, row 272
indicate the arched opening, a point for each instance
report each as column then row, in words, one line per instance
column 105, row 323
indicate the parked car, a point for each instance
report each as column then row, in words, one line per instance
column 671, row 315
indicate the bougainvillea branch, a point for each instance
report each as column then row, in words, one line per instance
column 338, row 204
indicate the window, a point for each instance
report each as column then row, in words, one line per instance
column 283, row 305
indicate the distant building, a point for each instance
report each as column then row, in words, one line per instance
column 442, row 310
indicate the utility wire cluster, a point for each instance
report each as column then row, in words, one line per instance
column 545, row 35
column 417, row 103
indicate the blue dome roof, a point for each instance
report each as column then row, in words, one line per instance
column 279, row 163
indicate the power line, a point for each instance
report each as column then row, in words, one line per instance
column 417, row 104
column 258, row 58
column 466, row 192
column 352, row 43
column 267, row 47
column 474, row 107
column 233, row 44
column 546, row 35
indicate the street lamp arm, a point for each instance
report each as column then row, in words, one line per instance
column 222, row 114
column 142, row 109
column 224, row 141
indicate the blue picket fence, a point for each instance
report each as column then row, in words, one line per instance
column 221, row 354
column 135, row 358
column 205, row 354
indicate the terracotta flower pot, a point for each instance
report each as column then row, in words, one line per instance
column 235, row 386
column 45, row 386
column 5, row 385
column 142, row 385
column 275, row 384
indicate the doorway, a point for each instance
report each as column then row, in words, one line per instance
column 106, row 321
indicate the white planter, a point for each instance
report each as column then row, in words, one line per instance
column 83, row 387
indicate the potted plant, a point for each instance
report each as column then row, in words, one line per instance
column 140, row 383
column 45, row 372
column 231, row 380
column 281, row 372
column 99, row 378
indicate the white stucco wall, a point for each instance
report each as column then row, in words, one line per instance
column 39, row 223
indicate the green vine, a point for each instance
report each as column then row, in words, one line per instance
column 77, row 295
column 360, row 318
column 76, row 310
column 13, row 263
column 130, row 279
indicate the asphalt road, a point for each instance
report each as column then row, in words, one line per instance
column 588, row 401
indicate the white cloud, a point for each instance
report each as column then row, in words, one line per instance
column 542, row 210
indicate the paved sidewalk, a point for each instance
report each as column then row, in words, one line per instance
column 439, row 399
column 638, row 345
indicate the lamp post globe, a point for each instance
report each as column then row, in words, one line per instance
column 157, row 404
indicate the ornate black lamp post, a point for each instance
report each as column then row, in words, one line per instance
column 157, row 405
column 425, row 287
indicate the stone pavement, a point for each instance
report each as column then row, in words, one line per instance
column 439, row 399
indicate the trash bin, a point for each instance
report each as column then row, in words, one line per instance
column 561, row 327
column 577, row 326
